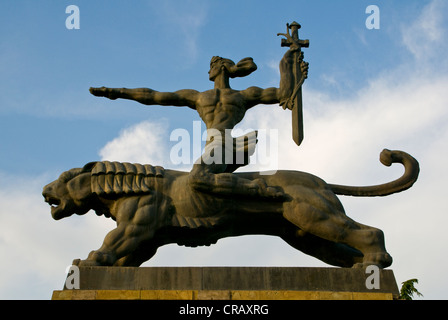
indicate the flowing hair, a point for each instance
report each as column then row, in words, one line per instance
column 243, row 68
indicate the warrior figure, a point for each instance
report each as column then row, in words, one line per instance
column 221, row 109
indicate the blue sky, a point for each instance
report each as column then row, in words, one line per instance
column 47, row 69
column 367, row 90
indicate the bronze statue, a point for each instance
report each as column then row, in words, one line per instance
column 154, row 206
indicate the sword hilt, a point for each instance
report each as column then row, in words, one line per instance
column 293, row 37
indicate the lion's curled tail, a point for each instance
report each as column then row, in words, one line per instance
column 387, row 157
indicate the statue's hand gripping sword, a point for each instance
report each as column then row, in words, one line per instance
column 294, row 102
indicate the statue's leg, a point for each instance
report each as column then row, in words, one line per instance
column 137, row 221
column 144, row 252
column 336, row 254
column 202, row 179
column 326, row 219
column 119, row 243
column 210, row 174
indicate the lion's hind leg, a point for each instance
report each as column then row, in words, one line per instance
column 335, row 254
column 323, row 216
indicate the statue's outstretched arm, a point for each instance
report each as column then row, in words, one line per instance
column 256, row 95
column 181, row 98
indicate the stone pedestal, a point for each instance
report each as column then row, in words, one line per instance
column 229, row 283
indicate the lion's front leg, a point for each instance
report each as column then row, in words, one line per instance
column 137, row 219
column 107, row 254
column 118, row 243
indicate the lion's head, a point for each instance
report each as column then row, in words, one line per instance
column 70, row 193
column 77, row 190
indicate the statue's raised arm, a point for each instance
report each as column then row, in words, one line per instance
column 180, row 98
column 281, row 95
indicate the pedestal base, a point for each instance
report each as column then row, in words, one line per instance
column 228, row 283
column 215, row 295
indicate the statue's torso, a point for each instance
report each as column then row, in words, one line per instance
column 221, row 108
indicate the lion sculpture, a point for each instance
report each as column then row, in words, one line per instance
column 153, row 207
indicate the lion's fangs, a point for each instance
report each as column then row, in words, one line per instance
column 54, row 203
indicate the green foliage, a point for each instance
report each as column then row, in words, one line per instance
column 408, row 289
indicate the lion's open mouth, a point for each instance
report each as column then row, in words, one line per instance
column 55, row 206
column 53, row 202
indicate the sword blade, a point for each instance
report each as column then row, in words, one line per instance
column 297, row 109
column 297, row 119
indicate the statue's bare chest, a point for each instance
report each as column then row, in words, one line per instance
column 221, row 103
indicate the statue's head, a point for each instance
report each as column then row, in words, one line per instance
column 243, row 68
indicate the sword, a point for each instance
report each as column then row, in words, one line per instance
column 294, row 102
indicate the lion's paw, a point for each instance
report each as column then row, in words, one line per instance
column 88, row 263
column 380, row 259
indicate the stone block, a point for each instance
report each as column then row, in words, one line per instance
column 239, row 283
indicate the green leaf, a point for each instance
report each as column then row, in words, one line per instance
column 408, row 290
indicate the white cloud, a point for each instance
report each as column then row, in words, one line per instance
column 342, row 146
column 141, row 143
column 36, row 249
column 184, row 20
column 425, row 37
